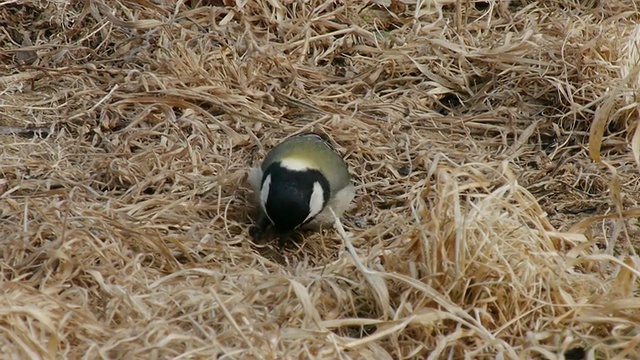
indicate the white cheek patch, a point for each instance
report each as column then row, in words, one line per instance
column 294, row 164
column 264, row 195
column 316, row 202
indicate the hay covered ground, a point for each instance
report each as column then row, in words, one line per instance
column 494, row 145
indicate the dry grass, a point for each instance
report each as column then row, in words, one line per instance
column 494, row 144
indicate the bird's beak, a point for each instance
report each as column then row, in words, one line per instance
column 282, row 240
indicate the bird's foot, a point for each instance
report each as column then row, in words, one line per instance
column 260, row 228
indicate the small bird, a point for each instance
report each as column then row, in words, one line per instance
column 298, row 182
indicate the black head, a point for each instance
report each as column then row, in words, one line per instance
column 291, row 198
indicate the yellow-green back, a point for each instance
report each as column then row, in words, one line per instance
column 315, row 153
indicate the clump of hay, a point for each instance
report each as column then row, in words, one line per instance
column 494, row 146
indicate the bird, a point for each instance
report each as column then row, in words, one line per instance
column 297, row 185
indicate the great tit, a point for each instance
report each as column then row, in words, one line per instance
column 298, row 182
